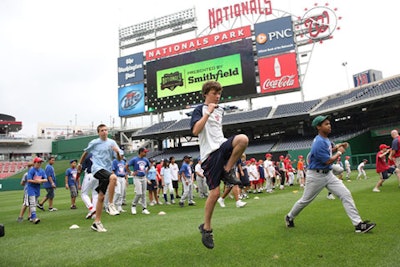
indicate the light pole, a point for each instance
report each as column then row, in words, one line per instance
column 344, row 64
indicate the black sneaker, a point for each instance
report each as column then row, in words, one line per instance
column 364, row 227
column 181, row 204
column 289, row 222
column 230, row 177
column 40, row 206
column 206, row 237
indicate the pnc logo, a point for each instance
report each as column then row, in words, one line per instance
column 262, row 38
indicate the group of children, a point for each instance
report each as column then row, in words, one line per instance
column 162, row 178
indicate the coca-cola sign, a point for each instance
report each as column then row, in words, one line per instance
column 278, row 73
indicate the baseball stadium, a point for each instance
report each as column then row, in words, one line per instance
column 266, row 57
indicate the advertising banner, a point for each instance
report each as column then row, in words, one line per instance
column 274, row 36
column 278, row 74
column 130, row 69
column 131, row 100
column 189, row 78
column 176, row 82
column 198, row 43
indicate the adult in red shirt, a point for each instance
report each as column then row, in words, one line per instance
column 382, row 168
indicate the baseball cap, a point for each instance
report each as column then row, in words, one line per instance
column 383, row 146
column 72, row 160
column 318, row 120
column 37, row 160
column 142, row 149
column 281, row 157
column 187, row 157
column 268, row 155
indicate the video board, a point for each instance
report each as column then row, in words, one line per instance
column 176, row 82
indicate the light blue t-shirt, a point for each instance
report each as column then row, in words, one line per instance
column 321, row 151
column 151, row 174
column 103, row 154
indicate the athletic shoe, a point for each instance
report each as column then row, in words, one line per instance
column 73, row 207
column 53, row 209
column 281, row 187
column 330, row 197
column 221, row 202
column 112, row 210
column 145, row 211
column 20, row 219
column 152, row 203
column 172, row 201
column 36, row 220
column 364, row 227
column 376, row 190
column 133, row 210
column 98, row 227
column 192, row 203
column 230, row 177
column 90, row 214
column 167, row 203
column 206, row 237
column 40, row 206
column 181, row 204
column 121, row 210
column 289, row 221
column 240, row 204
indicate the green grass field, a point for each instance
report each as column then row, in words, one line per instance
column 252, row 236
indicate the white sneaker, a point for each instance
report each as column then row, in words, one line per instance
column 173, row 201
column 240, row 204
column 152, row 203
column 221, row 202
column 133, row 210
column 330, row 196
column 112, row 210
column 98, row 227
column 145, row 211
column 281, row 187
column 376, row 190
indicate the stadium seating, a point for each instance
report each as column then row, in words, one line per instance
column 9, row 168
column 295, row 108
column 236, row 117
column 181, row 125
column 156, row 128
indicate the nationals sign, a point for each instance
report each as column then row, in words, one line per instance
column 278, row 74
column 201, row 42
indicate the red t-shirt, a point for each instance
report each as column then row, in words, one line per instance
column 381, row 164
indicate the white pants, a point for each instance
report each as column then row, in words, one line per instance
column 89, row 184
column 187, row 192
column 202, row 185
column 315, row 182
column 140, row 191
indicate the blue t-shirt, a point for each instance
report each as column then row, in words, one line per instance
column 151, row 174
column 103, row 154
column 139, row 166
column 119, row 167
column 321, row 151
column 71, row 174
column 35, row 174
column 185, row 169
column 50, row 173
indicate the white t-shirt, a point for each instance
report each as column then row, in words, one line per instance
column 174, row 171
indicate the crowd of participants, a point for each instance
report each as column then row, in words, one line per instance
column 167, row 183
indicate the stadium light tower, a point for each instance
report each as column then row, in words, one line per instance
column 344, row 64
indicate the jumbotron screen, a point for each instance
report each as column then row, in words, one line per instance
column 176, row 82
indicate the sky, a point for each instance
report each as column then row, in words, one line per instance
column 58, row 58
